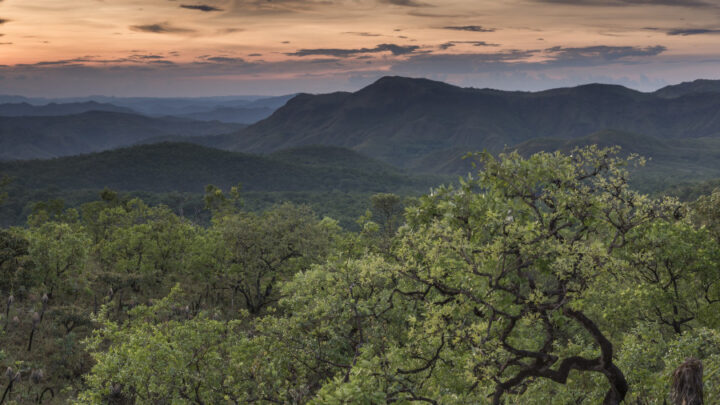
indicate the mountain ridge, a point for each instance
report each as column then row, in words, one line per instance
column 403, row 120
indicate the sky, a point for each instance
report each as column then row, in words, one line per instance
column 57, row 48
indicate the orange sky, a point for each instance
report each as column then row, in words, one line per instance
column 204, row 47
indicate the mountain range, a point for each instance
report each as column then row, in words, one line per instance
column 25, row 109
column 43, row 137
column 421, row 124
column 185, row 167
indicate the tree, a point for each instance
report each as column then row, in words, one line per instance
column 503, row 274
column 259, row 251
column 59, row 252
column 388, row 207
column 162, row 355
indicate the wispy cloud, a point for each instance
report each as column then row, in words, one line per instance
column 473, row 28
column 345, row 53
column 450, row 44
column 525, row 60
column 362, row 34
column 601, row 53
column 406, row 3
column 693, row 31
column 160, row 28
column 224, row 59
column 200, row 7
column 674, row 3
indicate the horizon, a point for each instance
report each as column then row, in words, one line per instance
column 172, row 48
column 94, row 97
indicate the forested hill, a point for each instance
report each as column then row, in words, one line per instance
column 54, row 109
column 406, row 121
column 669, row 161
column 182, row 167
column 52, row 136
column 694, row 87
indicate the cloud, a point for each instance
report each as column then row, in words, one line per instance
column 200, row 7
column 450, row 44
column 693, row 31
column 524, row 60
column 362, row 34
column 601, row 54
column 345, row 53
column 461, row 63
column 230, row 30
column 160, row 28
column 473, row 28
column 406, row 3
column 224, row 59
column 674, row 3
column 261, row 7
column 137, row 56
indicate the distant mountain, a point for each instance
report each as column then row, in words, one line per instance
column 55, row 109
column 47, row 137
column 235, row 109
column 240, row 115
column 239, row 111
column 670, row 161
column 695, row 87
column 407, row 122
column 183, row 167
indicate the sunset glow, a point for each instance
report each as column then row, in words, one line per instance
column 211, row 47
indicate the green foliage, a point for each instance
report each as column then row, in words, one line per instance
column 161, row 355
column 540, row 280
column 59, row 253
column 259, row 251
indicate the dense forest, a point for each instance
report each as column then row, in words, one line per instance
column 537, row 279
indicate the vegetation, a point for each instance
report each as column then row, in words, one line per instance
column 425, row 125
column 334, row 181
column 537, row 280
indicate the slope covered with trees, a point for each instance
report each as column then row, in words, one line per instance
column 43, row 137
column 329, row 178
column 407, row 121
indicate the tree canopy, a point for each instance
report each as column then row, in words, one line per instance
column 537, row 280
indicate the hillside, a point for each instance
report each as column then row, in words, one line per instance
column 54, row 109
column 182, row 167
column 333, row 181
column 406, row 121
column 669, row 161
column 53, row 136
column 685, row 88
column 240, row 115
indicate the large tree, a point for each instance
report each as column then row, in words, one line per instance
column 503, row 266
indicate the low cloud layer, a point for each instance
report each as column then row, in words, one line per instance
column 472, row 28
column 200, row 7
column 406, row 3
column 693, row 31
column 450, row 44
column 160, row 28
column 345, row 53
column 601, row 54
